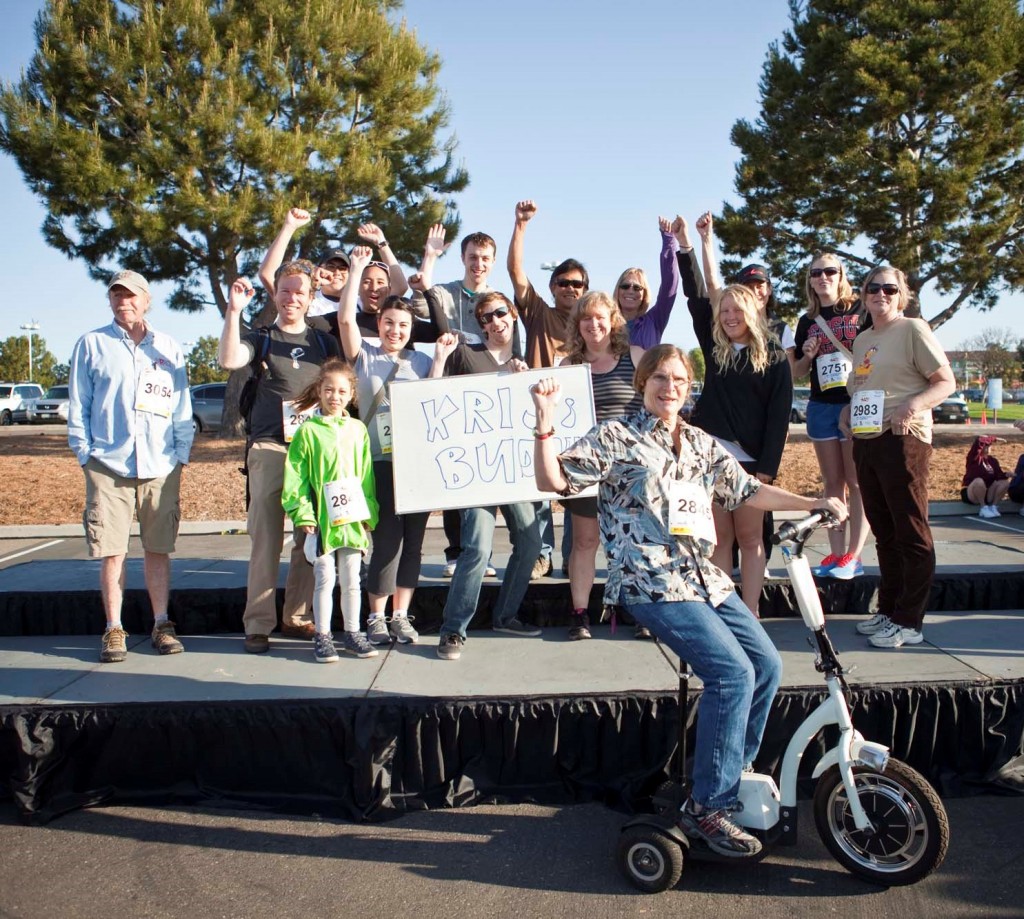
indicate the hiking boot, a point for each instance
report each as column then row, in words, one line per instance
column 113, row 648
column 875, row 624
column 164, row 638
column 356, row 643
column 579, row 627
column 893, row 635
column 515, row 627
column 450, row 647
column 847, row 568
column 541, row 568
column 827, row 564
column 718, row 832
column 377, row 631
column 257, row 644
column 303, row 630
column 323, row 648
column 402, row 630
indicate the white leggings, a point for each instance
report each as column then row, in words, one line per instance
column 323, row 589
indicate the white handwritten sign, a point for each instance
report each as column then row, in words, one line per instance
column 467, row 441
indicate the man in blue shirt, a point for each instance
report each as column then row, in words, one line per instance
column 130, row 426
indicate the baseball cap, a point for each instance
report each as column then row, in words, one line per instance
column 751, row 274
column 335, row 255
column 134, row 281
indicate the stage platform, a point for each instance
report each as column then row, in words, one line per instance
column 516, row 719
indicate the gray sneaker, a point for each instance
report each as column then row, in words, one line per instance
column 323, row 648
column 377, row 631
column 450, row 647
column 719, row 832
column 515, row 627
column 402, row 630
column 356, row 643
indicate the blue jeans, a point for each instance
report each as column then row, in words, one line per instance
column 546, row 523
column 477, row 539
column 741, row 670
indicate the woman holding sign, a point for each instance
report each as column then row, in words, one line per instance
column 899, row 373
column 657, row 480
column 394, row 569
column 329, row 494
column 824, row 336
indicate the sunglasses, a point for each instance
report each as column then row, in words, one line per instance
column 382, row 265
column 636, row 288
column 575, row 285
column 828, row 272
column 486, row 318
column 890, row 290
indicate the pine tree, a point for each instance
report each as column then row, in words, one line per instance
column 171, row 136
column 202, row 363
column 890, row 131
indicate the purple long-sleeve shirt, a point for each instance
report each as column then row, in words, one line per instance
column 646, row 330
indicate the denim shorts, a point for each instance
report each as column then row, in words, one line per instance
column 823, row 420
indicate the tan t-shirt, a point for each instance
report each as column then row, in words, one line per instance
column 899, row 360
column 546, row 329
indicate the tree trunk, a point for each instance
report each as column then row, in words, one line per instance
column 231, row 424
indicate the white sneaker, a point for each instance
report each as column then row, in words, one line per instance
column 449, row 569
column 994, row 511
column 895, row 636
column 983, row 511
column 1021, row 512
column 875, row 624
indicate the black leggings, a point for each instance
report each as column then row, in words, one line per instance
column 397, row 540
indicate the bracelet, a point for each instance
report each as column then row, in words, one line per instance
column 383, row 244
column 538, row 436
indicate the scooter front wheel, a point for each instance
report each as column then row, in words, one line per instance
column 909, row 831
column 650, row 860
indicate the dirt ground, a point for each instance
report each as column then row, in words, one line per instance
column 43, row 484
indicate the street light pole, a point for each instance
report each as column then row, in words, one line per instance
column 30, row 327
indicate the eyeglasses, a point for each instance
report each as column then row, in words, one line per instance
column 830, row 272
column 890, row 290
column 662, row 379
column 636, row 288
column 575, row 285
column 486, row 318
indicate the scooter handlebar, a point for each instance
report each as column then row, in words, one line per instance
column 799, row 530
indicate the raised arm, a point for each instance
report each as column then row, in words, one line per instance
column 689, row 273
column 348, row 330
column 661, row 310
column 525, row 211
column 706, row 231
column 374, row 235
column 231, row 353
column 295, row 218
column 433, row 249
column 547, row 470
column 443, row 349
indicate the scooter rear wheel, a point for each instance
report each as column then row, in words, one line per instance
column 650, row 860
column 910, row 828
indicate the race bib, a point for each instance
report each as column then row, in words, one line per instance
column 383, row 421
column 690, row 512
column 833, row 370
column 346, row 502
column 291, row 418
column 156, row 390
column 866, row 409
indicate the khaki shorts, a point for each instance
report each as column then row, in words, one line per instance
column 112, row 500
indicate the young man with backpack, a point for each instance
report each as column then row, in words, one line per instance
column 286, row 358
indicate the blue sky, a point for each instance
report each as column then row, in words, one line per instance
column 607, row 114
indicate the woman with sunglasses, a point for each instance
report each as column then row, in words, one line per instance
column 597, row 336
column 745, row 404
column 394, row 568
column 824, row 338
column 900, row 373
column 645, row 323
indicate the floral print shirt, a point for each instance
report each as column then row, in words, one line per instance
column 635, row 463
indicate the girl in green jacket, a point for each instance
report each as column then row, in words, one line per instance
column 329, row 493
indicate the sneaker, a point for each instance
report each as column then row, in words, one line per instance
column 827, row 564
column 450, row 647
column 304, row 630
column 449, row 569
column 113, row 648
column 719, row 832
column 579, row 628
column 323, row 648
column 642, row 632
column 164, row 638
column 895, row 636
column 541, row 568
column 402, row 630
column 356, row 643
column 257, row 644
column 1021, row 512
column 377, row 631
column 847, row 568
column 983, row 511
column 490, row 571
column 875, row 624
column 515, row 627
column 994, row 511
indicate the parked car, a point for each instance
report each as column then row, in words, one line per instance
column 691, row 401
column 801, row 396
column 207, row 406
column 51, row 408
column 951, row 411
column 974, row 395
column 12, row 399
